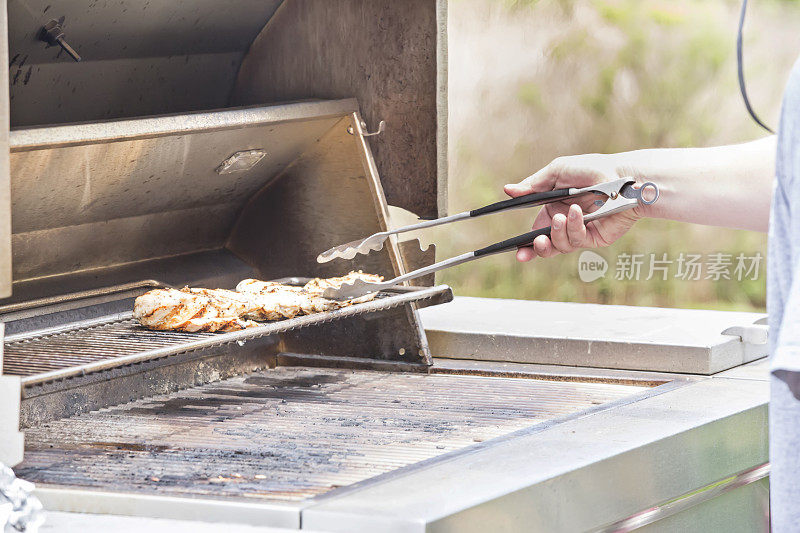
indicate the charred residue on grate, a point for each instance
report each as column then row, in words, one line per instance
column 288, row 434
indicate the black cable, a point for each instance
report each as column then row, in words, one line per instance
column 740, row 68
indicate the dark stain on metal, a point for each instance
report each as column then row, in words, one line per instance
column 127, row 446
column 311, row 380
column 180, row 407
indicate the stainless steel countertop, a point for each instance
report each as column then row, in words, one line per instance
column 589, row 335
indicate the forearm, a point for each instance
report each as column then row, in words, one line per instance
column 728, row 186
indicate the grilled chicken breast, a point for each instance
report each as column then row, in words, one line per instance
column 277, row 301
column 228, row 302
column 196, row 309
column 189, row 311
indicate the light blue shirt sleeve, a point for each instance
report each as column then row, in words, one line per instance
column 783, row 267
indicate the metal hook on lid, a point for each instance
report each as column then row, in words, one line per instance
column 381, row 129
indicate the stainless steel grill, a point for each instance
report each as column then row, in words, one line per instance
column 118, row 340
column 292, row 433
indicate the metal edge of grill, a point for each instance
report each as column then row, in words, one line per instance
column 189, row 342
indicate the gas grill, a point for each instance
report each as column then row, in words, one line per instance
column 203, row 143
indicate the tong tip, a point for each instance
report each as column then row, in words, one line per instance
column 349, row 250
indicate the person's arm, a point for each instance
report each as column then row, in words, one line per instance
column 727, row 186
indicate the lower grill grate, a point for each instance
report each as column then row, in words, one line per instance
column 291, row 433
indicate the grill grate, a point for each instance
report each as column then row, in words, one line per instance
column 291, row 433
column 118, row 340
column 114, row 338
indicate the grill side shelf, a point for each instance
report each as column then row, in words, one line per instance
column 118, row 340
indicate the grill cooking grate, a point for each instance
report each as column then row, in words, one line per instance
column 115, row 338
column 291, row 433
column 118, row 340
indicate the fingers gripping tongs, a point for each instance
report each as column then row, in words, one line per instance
column 620, row 194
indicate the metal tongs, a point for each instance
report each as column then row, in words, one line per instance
column 620, row 196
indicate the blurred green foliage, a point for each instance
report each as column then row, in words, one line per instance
column 553, row 77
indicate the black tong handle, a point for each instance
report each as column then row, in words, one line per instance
column 532, row 199
column 526, row 239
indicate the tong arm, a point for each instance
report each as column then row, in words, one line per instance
column 608, row 188
column 621, row 197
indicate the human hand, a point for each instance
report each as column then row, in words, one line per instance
column 566, row 217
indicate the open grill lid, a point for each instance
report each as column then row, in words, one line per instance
column 151, row 58
column 95, row 195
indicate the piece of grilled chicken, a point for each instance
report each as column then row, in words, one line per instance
column 278, row 301
column 196, row 309
column 193, row 310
